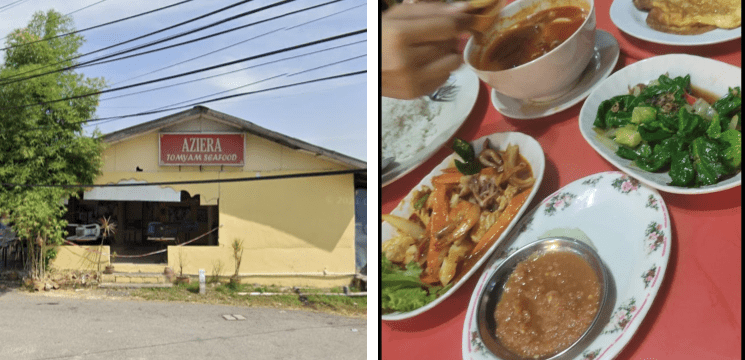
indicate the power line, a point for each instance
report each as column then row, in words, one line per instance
column 10, row 6
column 14, row 2
column 225, row 73
column 326, row 65
column 228, row 97
column 196, row 71
column 85, row 7
column 191, row 182
column 221, row 92
column 212, row 52
column 254, row 83
column 327, row 16
column 124, row 42
column 97, row 26
column 211, row 35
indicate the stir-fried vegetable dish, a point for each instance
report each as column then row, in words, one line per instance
column 665, row 127
column 452, row 224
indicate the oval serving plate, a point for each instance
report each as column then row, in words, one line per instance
column 628, row 225
column 530, row 149
column 633, row 21
column 709, row 75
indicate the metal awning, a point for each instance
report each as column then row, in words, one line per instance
column 133, row 193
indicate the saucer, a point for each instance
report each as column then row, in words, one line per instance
column 601, row 65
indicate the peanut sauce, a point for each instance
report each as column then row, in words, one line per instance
column 529, row 39
column 548, row 302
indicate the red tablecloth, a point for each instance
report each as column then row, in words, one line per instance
column 696, row 314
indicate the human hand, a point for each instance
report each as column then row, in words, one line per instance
column 420, row 47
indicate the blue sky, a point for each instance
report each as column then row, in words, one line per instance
column 331, row 114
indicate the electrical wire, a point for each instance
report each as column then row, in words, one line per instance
column 229, row 72
column 150, row 112
column 211, row 35
column 325, row 17
column 10, row 6
column 127, row 41
column 83, row 8
column 6, row 5
column 357, row 32
column 191, row 182
column 228, row 97
column 97, row 26
column 326, row 65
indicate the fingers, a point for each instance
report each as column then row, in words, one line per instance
column 419, row 47
column 428, row 22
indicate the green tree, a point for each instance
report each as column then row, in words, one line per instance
column 44, row 144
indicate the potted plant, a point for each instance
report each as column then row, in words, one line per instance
column 110, row 268
column 181, row 278
column 237, row 246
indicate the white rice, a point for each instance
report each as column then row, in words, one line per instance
column 408, row 126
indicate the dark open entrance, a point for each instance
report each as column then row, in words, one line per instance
column 142, row 227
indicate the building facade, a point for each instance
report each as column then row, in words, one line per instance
column 295, row 231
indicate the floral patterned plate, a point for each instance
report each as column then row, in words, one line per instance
column 529, row 148
column 629, row 226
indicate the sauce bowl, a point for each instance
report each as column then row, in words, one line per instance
column 492, row 292
column 550, row 75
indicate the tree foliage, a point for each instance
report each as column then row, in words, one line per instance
column 44, row 144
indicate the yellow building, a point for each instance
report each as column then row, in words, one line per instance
column 296, row 231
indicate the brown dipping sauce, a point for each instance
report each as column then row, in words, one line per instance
column 549, row 301
column 529, row 39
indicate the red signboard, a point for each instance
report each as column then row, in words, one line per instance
column 202, row 149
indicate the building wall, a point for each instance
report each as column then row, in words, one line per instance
column 293, row 230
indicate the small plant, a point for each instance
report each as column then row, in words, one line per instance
column 217, row 268
column 237, row 246
column 181, row 261
column 110, row 268
column 108, row 227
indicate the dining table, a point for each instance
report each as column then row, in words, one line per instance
column 696, row 313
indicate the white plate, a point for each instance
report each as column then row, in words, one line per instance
column 633, row 21
column 452, row 115
column 629, row 226
column 530, row 149
column 707, row 74
column 601, row 65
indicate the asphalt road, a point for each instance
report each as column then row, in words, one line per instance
column 45, row 327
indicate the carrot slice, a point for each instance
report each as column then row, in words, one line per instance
column 446, row 179
column 437, row 221
column 491, row 235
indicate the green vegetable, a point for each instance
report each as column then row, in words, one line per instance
column 643, row 114
column 681, row 169
column 709, row 168
column 690, row 125
column 654, row 131
column 613, row 112
column 659, row 132
column 401, row 290
column 421, row 201
column 732, row 144
column 659, row 158
column 729, row 103
column 626, row 153
column 629, row 136
column 470, row 165
column 715, row 128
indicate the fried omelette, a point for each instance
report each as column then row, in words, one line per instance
column 689, row 17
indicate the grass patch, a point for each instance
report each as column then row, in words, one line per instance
column 234, row 294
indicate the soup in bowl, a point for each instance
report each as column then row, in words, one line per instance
column 537, row 49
